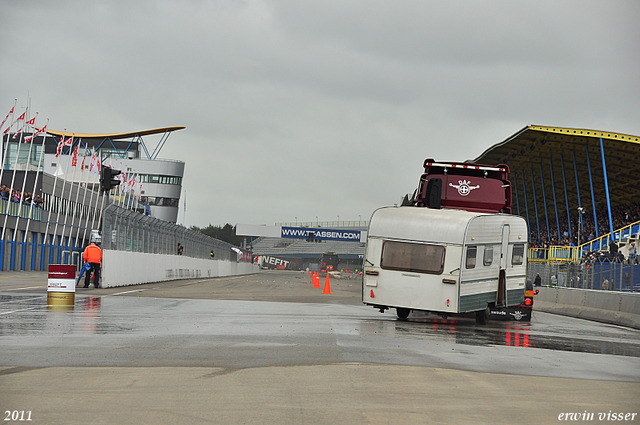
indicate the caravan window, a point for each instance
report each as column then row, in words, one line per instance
column 487, row 258
column 517, row 257
column 471, row 256
column 412, row 257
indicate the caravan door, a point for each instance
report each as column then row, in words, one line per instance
column 501, row 298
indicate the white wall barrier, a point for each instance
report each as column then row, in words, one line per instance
column 620, row 308
column 124, row 268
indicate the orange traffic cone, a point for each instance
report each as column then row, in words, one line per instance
column 327, row 286
column 316, row 280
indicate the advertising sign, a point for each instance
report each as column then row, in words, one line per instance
column 61, row 286
column 321, row 234
column 62, row 278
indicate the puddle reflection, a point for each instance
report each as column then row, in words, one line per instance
column 513, row 334
column 29, row 314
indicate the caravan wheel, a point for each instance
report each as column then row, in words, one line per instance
column 403, row 313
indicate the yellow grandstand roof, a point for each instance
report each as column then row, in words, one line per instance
column 116, row 136
column 536, row 148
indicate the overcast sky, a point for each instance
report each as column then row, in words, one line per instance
column 302, row 109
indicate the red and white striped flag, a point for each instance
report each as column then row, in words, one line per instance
column 84, row 156
column 20, row 118
column 74, row 159
column 42, row 130
column 5, row 118
column 94, row 165
column 32, row 123
column 62, row 143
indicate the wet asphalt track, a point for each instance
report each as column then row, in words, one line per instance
column 114, row 329
column 179, row 324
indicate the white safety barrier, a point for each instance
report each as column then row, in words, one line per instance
column 124, row 268
column 620, row 308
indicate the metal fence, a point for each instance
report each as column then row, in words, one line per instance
column 601, row 275
column 127, row 230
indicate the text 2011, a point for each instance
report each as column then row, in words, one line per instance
column 17, row 415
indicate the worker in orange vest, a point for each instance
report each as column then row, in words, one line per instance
column 92, row 255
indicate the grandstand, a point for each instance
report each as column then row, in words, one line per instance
column 578, row 190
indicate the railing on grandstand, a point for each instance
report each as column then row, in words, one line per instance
column 603, row 241
column 13, row 208
column 127, row 230
column 558, row 254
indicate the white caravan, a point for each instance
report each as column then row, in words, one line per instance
column 444, row 261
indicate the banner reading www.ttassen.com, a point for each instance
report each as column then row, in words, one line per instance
column 322, row 234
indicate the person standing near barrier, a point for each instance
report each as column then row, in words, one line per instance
column 92, row 255
column 605, row 284
column 632, row 253
column 537, row 281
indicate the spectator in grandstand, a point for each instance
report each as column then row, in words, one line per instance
column 613, row 250
column 38, row 201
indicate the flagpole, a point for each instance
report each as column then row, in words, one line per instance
column 102, row 204
column 74, row 164
column 5, row 148
column 93, row 218
column 73, row 218
column 55, row 181
column 98, row 163
column 64, row 183
column 84, row 197
column 184, row 214
column 24, row 179
column 35, row 182
column 13, row 178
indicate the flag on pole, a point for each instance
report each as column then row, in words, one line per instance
column 92, row 163
column 84, row 156
column 32, row 123
column 74, row 160
column 42, row 130
column 62, row 143
column 131, row 183
column 20, row 118
column 122, row 178
column 7, row 117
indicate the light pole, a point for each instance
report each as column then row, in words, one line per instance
column 580, row 212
